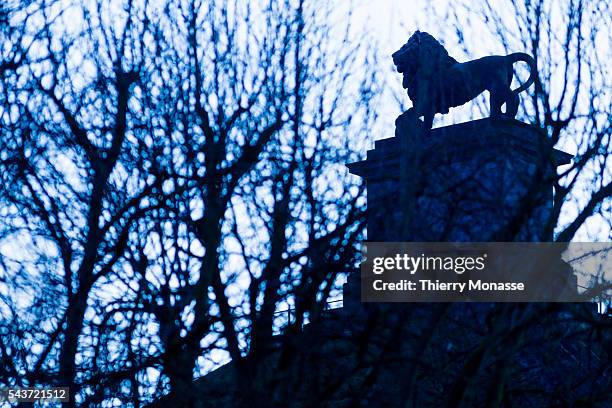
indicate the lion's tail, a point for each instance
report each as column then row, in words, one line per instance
column 521, row 56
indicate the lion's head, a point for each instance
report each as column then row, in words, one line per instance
column 420, row 59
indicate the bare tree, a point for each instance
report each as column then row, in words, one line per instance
column 174, row 197
column 172, row 178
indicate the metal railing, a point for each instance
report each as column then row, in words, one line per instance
column 287, row 316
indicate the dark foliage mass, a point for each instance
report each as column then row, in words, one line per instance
column 173, row 196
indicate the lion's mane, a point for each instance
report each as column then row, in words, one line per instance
column 421, row 59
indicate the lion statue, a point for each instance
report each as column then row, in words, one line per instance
column 436, row 82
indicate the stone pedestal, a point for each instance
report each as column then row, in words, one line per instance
column 485, row 180
column 464, row 182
